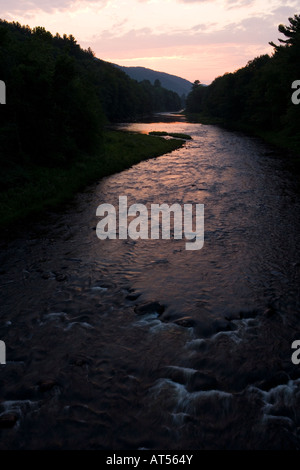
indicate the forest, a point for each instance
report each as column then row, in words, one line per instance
column 59, row 101
column 258, row 97
column 59, row 97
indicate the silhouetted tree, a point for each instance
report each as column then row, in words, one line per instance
column 292, row 32
column 60, row 96
column 258, row 96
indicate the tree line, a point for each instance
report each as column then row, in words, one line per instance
column 59, row 96
column 257, row 97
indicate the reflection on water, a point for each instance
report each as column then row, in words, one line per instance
column 122, row 344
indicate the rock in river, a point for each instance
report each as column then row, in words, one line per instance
column 150, row 307
column 8, row 420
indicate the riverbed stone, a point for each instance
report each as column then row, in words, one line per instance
column 46, row 385
column 269, row 312
column 186, row 322
column 278, row 378
column 60, row 277
column 201, row 381
column 8, row 420
column 132, row 296
column 149, row 307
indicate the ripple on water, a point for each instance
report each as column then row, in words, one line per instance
column 143, row 344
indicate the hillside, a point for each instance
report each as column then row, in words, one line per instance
column 171, row 82
column 59, row 99
column 259, row 97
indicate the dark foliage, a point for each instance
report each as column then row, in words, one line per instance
column 257, row 96
column 59, row 96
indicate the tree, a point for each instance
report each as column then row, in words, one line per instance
column 257, row 97
column 196, row 84
column 292, row 32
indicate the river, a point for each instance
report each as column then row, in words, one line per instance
column 142, row 344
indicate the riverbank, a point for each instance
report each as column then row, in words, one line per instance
column 134, row 344
column 279, row 140
column 28, row 191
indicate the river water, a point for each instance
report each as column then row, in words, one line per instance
column 142, row 344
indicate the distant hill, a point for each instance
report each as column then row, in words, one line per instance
column 61, row 96
column 171, row 82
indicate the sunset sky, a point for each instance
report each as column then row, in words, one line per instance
column 194, row 39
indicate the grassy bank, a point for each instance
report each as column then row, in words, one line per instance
column 201, row 118
column 26, row 192
column 176, row 135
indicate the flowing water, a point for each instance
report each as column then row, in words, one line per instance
column 142, row 344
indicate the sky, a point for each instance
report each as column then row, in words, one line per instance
column 193, row 39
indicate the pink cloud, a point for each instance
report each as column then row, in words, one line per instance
column 22, row 6
column 249, row 31
column 210, row 52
